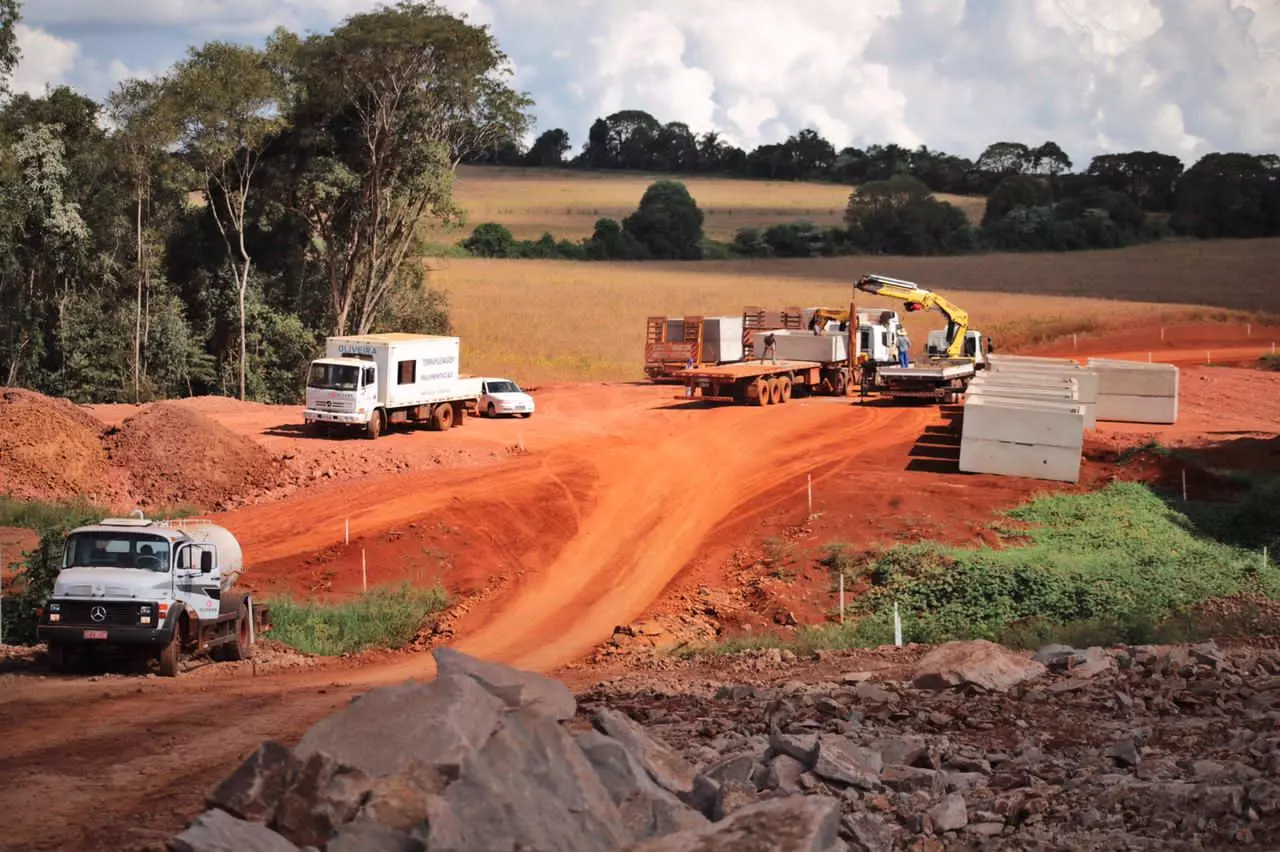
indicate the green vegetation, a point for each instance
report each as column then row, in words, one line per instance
column 1120, row 564
column 1270, row 363
column 382, row 618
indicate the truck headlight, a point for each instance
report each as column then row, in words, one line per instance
column 54, row 617
column 55, row 607
column 144, row 614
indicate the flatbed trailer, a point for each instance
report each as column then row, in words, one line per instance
column 939, row 381
column 768, row 382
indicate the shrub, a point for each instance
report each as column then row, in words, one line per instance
column 382, row 618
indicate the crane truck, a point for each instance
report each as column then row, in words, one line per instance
column 166, row 589
column 954, row 354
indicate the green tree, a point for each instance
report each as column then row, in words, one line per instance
column 491, row 239
column 1015, row 190
column 668, row 222
column 1005, row 158
column 548, row 149
column 1228, row 195
column 392, row 101
column 227, row 100
column 10, row 14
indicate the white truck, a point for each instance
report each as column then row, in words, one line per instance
column 369, row 381
column 162, row 588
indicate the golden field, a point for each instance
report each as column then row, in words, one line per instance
column 567, row 203
column 544, row 321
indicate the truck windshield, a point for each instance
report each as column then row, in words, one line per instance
column 333, row 377
column 117, row 550
column 503, row 387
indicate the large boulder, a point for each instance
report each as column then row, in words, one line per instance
column 518, row 689
column 386, row 729
column 663, row 764
column 219, row 831
column 647, row 809
column 531, row 787
column 978, row 663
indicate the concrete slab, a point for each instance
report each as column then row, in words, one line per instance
column 1086, row 381
column 997, row 358
column 1058, row 399
column 1122, row 408
column 1137, row 380
column 807, row 346
column 1006, row 458
column 1024, row 421
column 722, row 339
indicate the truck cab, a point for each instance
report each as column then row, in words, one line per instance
column 342, row 391
column 974, row 346
column 161, row 588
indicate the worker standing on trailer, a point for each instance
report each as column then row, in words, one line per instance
column 904, row 349
column 688, row 388
column 769, row 351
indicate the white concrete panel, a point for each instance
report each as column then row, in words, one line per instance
column 722, row 339
column 807, row 346
column 1137, row 381
column 1061, row 464
column 1024, row 421
column 1123, row 408
column 1087, row 379
column 1012, row 360
column 1049, row 398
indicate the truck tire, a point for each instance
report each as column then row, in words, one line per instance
column 169, row 656
column 58, row 657
column 491, row 411
column 376, row 424
column 442, row 417
column 784, row 389
column 775, row 391
column 763, row 396
column 319, row 429
column 242, row 648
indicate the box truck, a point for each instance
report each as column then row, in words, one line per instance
column 370, row 381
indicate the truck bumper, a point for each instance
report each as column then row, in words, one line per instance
column 345, row 418
column 115, row 634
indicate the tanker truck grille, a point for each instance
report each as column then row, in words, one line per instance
column 84, row 612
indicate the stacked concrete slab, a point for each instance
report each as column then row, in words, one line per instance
column 793, row 345
column 1135, row 391
column 1026, row 416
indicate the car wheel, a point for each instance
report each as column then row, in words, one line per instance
column 491, row 411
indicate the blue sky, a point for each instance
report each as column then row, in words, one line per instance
column 1181, row 76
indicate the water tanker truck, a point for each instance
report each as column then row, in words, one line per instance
column 162, row 589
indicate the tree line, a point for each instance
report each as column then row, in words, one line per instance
column 1220, row 195
column 201, row 232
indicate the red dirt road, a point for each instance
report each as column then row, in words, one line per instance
column 622, row 489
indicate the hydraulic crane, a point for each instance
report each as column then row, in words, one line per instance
column 919, row 299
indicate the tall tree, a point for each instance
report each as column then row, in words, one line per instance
column 10, row 14
column 548, row 149
column 1004, row 158
column 142, row 135
column 227, row 98
column 398, row 97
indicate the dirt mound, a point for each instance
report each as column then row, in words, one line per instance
column 176, row 456
column 50, row 449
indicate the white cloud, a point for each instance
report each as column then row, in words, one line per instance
column 1185, row 76
column 46, row 60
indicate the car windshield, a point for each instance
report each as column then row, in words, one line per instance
column 117, row 550
column 333, row 377
column 503, row 387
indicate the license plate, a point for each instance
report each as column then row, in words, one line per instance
column 95, row 634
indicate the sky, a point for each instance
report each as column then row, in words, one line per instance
column 1185, row 77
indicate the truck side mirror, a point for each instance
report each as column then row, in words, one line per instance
column 206, row 561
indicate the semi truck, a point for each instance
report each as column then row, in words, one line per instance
column 671, row 343
column 163, row 589
column 816, row 360
column 371, row 381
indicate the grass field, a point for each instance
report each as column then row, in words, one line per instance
column 565, row 321
column 567, row 203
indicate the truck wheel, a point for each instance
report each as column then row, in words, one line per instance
column 167, row 660
column 841, row 386
column 442, row 417
column 242, row 648
column 762, row 391
column 320, row 430
column 775, row 391
column 784, row 389
column 491, row 411
column 58, row 657
column 376, row 423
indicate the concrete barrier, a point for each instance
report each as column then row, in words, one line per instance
column 1013, row 360
column 1086, row 380
column 1041, row 439
column 1136, row 391
column 1067, row 398
column 794, row 345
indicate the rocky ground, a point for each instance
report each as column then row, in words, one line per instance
column 966, row 746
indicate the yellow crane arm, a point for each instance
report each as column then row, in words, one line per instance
column 919, row 299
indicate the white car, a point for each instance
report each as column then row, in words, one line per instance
column 503, row 396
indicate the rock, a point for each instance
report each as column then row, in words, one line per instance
column 741, row 768
column 950, row 814
column 852, row 678
column 980, row 663
column 400, row 800
column 902, row 751
column 906, row 779
column 841, row 761
column 1055, row 656
column 830, row 708
column 784, row 774
column 789, row 824
column 367, row 836
column 802, row 747
column 664, row 765
column 219, row 831
column 732, row 797
column 1207, row 654
column 324, row 795
column 869, row 832
column 254, row 789
column 1124, row 753
column 647, row 810
column 869, row 693
column 519, row 689
column 385, row 729
column 530, row 786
